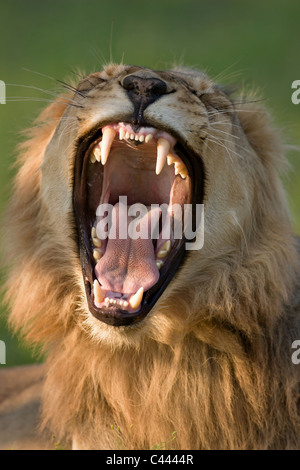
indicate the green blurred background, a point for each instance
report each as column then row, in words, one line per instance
column 254, row 43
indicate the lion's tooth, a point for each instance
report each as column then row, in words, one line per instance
column 125, row 303
column 180, row 167
column 183, row 173
column 127, row 135
column 97, row 152
column 163, row 147
column 99, row 293
column 164, row 250
column 96, row 241
column 173, row 159
column 142, row 138
column 148, row 138
column 97, row 254
column 136, row 299
column 136, row 137
column 109, row 135
column 132, row 136
column 122, row 133
column 93, row 157
column 159, row 263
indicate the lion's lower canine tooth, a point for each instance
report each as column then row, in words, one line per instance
column 136, row 299
column 164, row 250
column 99, row 293
column 163, row 147
column 109, row 135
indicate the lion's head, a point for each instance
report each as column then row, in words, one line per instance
column 157, row 139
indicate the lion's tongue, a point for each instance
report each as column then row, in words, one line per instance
column 128, row 264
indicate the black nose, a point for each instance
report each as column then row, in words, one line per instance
column 142, row 92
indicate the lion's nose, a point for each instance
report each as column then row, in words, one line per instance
column 147, row 88
column 142, row 92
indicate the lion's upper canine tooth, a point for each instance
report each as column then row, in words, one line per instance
column 99, row 293
column 163, row 148
column 136, row 299
column 108, row 137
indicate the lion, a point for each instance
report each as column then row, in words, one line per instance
column 149, row 343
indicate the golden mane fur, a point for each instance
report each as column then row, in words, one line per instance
column 212, row 360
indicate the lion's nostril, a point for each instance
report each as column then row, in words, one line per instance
column 152, row 87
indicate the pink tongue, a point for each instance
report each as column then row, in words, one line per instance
column 128, row 264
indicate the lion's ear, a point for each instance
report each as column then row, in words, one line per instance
column 262, row 134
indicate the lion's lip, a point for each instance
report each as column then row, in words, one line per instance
column 120, row 289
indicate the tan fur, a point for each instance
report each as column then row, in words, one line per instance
column 212, row 360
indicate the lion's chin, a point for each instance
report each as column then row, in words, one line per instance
column 131, row 188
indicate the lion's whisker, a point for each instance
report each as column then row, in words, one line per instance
column 48, row 92
column 64, row 84
column 224, row 146
column 226, row 133
column 29, row 99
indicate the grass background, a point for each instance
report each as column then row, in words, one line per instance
column 254, row 43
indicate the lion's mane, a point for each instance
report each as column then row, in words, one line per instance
column 214, row 366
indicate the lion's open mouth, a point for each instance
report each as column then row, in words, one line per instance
column 131, row 188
